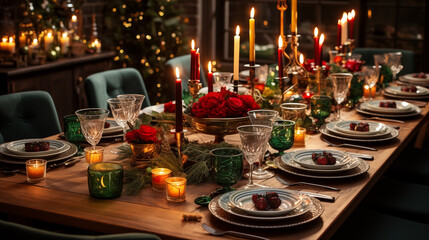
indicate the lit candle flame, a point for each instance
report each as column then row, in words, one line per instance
column 252, row 13
column 198, row 50
column 49, row 34
column 237, row 30
column 301, row 59
column 11, row 39
column 353, row 13
column 64, row 35
column 210, row 66
column 35, row 41
column 316, row 32
column 339, row 21
column 349, row 16
column 96, row 41
column 280, row 42
column 177, row 73
column 4, row 39
column 344, row 19
column 322, row 39
column 193, row 44
column 74, row 18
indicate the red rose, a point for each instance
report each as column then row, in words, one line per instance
column 234, row 107
column 132, row 136
column 219, row 112
column 147, row 134
column 170, row 107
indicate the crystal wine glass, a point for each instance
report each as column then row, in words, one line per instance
column 393, row 60
column 371, row 77
column 92, row 123
column 341, row 83
column 266, row 118
column 139, row 98
column 320, row 108
column 282, row 135
column 228, row 166
column 122, row 111
column 222, row 78
column 253, row 139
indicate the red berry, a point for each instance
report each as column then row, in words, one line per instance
column 255, row 196
column 261, row 203
column 382, row 104
column 106, row 125
column 274, row 202
column 322, row 161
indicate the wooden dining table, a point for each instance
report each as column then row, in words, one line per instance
column 63, row 198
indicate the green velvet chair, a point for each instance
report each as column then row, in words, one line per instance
column 99, row 87
column 407, row 59
column 27, row 115
column 365, row 224
column 17, row 232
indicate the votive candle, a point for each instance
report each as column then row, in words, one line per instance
column 159, row 175
column 65, row 42
column 176, row 189
column 366, row 91
column 49, row 39
column 36, row 170
column 299, row 136
column 94, row 155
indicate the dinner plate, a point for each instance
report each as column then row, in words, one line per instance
column 17, row 148
column 362, row 168
column 304, row 207
column 113, row 129
column 304, row 158
column 421, row 91
column 401, row 107
column 5, row 158
column 316, row 209
column 374, row 127
column 393, row 134
column 417, row 81
column 412, row 78
column 416, row 111
column 156, row 109
column 242, row 199
column 331, row 127
column 241, row 90
column 388, row 94
column 288, row 160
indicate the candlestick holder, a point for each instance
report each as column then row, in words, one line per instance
column 252, row 67
column 320, row 72
column 194, row 87
column 282, row 85
column 180, row 136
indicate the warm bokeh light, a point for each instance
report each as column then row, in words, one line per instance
column 64, row 35
column 74, row 18
column 369, row 13
column 301, row 59
column 11, row 39
column 344, row 19
column 353, row 13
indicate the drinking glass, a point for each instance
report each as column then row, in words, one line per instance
column 266, row 118
column 122, row 111
column 222, row 78
column 282, row 135
column 253, row 139
column 294, row 112
column 228, row 167
column 139, row 98
column 72, row 130
column 371, row 77
column 341, row 83
column 92, row 123
column 393, row 60
column 320, row 108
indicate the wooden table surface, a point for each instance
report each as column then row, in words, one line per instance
column 64, row 199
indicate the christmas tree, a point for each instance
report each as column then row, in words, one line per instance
column 145, row 34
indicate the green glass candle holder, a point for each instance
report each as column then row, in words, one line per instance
column 282, row 135
column 320, row 108
column 72, row 130
column 228, row 167
column 105, row 180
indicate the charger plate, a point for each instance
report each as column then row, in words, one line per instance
column 17, row 148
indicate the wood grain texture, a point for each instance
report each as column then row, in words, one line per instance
column 64, row 197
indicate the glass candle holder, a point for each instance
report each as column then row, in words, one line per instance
column 105, row 180
column 228, row 167
column 72, row 130
column 176, row 189
column 366, row 91
column 300, row 136
column 94, row 155
column 294, row 112
column 36, row 170
column 159, row 175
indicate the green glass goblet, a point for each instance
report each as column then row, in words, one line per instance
column 320, row 108
column 72, row 130
column 228, row 167
column 282, row 135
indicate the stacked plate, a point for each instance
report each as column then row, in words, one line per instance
column 378, row 132
column 300, row 163
column 155, row 109
column 410, row 78
column 14, row 152
column 113, row 131
column 237, row 208
column 402, row 109
column 396, row 92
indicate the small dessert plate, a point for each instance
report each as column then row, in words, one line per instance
column 374, row 127
column 304, row 159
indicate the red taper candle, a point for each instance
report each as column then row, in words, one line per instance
column 316, row 46
column 351, row 22
column 179, row 117
column 197, row 64
column 193, row 58
column 339, row 33
column 280, row 58
column 210, row 78
column 322, row 39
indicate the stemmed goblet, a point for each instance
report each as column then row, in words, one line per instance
column 92, row 123
column 253, row 139
column 341, row 83
column 320, row 108
column 228, row 167
column 222, row 78
column 371, row 74
column 393, row 60
column 282, row 135
column 135, row 109
column 122, row 113
column 266, row 118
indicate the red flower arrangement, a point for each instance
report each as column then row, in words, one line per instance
column 170, row 107
column 144, row 135
column 223, row 104
column 353, row 65
column 309, row 65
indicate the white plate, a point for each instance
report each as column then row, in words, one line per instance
column 421, row 91
column 393, row 134
column 241, row 90
column 411, row 78
column 155, row 109
column 374, row 127
column 6, row 157
column 242, row 199
column 374, row 106
column 331, row 127
column 303, row 158
column 362, row 168
column 301, row 209
column 18, row 148
column 114, row 128
column 420, row 82
column 288, row 160
column 403, row 96
column 416, row 111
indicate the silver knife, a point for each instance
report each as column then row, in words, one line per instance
column 316, row 195
column 363, row 156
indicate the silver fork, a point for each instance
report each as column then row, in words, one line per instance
column 233, row 233
column 348, row 145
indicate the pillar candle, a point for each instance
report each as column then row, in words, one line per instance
column 97, row 46
column 344, row 31
column 316, row 46
column 179, row 117
column 197, row 62
column 351, row 23
column 320, row 52
column 48, row 40
column 252, row 37
column 294, row 17
column 193, row 58
column 339, row 33
column 210, row 78
column 280, row 58
column 65, row 42
column 22, row 40
column 236, row 57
